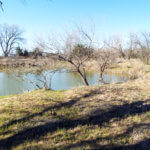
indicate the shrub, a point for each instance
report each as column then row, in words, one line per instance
column 19, row 51
column 26, row 53
column 81, row 50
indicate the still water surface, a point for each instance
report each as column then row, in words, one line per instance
column 61, row 81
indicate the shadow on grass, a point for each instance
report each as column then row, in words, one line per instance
column 58, row 106
column 142, row 145
column 95, row 118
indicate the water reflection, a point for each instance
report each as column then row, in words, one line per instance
column 61, row 81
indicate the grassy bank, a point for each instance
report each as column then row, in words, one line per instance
column 133, row 68
column 106, row 117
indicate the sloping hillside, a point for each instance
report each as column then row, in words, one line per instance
column 105, row 117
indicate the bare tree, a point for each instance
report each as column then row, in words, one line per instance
column 44, row 74
column 68, row 49
column 144, row 44
column 132, row 45
column 116, row 43
column 105, row 58
column 10, row 37
column 43, row 82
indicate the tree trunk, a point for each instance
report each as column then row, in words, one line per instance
column 101, row 78
column 86, row 82
column 83, row 77
column 6, row 55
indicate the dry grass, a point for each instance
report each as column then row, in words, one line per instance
column 22, row 64
column 106, row 117
column 133, row 68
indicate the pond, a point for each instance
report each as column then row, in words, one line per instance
column 61, row 80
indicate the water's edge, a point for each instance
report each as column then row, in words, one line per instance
column 9, row 84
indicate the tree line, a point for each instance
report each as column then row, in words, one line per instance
column 79, row 46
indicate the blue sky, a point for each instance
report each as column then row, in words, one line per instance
column 110, row 16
